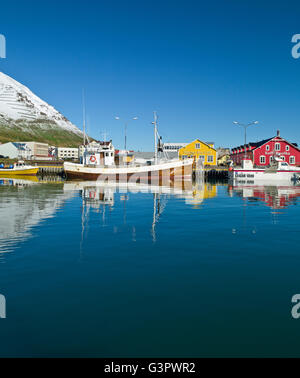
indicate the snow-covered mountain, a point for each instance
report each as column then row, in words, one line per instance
column 19, row 106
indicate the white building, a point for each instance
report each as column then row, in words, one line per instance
column 38, row 150
column 67, row 153
column 173, row 146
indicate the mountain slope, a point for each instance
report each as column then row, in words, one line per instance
column 24, row 117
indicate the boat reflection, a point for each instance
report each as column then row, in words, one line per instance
column 99, row 193
column 275, row 196
column 100, row 197
column 18, row 180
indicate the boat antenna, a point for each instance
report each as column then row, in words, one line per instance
column 155, row 136
column 87, row 129
column 104, row 135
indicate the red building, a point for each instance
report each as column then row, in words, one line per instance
column 262, row 153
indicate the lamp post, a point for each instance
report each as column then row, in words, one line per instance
column 125, row 131
column 245, row 126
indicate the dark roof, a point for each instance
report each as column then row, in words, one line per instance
column 260, row 143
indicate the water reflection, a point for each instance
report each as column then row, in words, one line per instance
column 99, row 196
column 96, row 194
column 24, row 203
column 275, row 196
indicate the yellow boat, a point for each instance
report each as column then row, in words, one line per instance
column 18, row 169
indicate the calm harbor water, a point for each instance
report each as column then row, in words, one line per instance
column 105, row 271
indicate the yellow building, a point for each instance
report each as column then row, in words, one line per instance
column 199, row 150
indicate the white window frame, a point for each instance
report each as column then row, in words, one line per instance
column 260, row 159
column 202, row 157
column 267, row 147
column 287, row 147
column 292, row 160
column 198, row 146
column 212, row 158
column 277, row 145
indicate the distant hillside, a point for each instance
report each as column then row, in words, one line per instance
column 25, row 117
column 39, row 131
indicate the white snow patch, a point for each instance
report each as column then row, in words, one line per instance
column 19, row 103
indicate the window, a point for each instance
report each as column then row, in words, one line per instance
column 210, row 158
column 277, row 146
column 262, row 160
column 198, row 145
column 202, row 157
column 267, row 147
column 287, row 148
column 292, row 159
column 282, row 158
column 271, row 159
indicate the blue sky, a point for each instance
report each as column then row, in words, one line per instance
column 200, row 65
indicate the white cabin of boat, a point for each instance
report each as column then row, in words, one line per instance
column 100, row 154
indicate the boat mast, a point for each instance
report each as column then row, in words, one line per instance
column 83, row 114
column 155, row 136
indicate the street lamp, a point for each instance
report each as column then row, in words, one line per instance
column 125, row 133
column 245, row 126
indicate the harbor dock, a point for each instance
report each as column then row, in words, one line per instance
column 50, row 167
column 216, row 172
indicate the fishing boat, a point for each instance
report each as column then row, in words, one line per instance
column 19, row 168
column 278, row 171
column 99, row 163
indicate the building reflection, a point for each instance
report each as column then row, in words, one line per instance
column 274, row 196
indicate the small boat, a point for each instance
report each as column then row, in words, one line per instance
column 18, row 169
column 278, row 171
